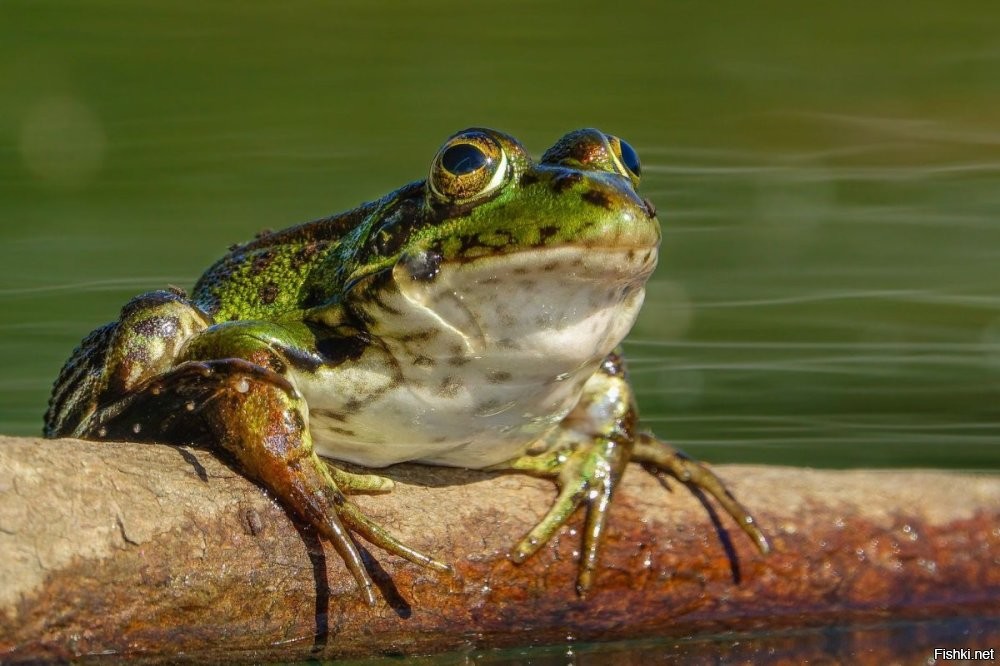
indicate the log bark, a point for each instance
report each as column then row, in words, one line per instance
column 163, row 553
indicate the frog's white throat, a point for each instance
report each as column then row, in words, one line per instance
column 567, row 302
column 477, row 363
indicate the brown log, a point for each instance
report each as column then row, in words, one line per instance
column 161, row 552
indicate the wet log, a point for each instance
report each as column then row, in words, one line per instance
column 165, row 553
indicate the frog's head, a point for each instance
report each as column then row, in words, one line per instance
column 508, row 253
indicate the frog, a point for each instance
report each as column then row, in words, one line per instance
column 472, row 319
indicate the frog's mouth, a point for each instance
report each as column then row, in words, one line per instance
column 568, row 302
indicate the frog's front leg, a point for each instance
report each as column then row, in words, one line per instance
column 228, row 392
column 587, row 455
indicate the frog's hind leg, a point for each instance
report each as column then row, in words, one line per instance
column 255, row 415
column 116, row 358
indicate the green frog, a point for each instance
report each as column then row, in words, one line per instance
column 471, row 319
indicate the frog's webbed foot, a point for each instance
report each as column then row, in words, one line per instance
column 586, row 474
column 658, row 456
column 255, row 415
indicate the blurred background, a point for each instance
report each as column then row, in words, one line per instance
column 827, row 177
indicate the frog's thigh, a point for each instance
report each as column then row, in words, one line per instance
column 149, row 335
column 262, row 343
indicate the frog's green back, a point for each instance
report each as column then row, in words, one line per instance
column 291, row 269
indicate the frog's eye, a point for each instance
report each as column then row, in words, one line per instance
column 468, row 166
column 626, row 159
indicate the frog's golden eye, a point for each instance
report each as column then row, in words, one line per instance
column 468, row 166
column 626, row 159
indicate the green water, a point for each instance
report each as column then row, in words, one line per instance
column 826, row 174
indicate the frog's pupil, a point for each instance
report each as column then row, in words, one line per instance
column 630, row 158
column 463, row 158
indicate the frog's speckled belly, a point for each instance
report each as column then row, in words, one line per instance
column 472, row 429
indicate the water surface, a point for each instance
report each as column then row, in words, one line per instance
column 827, row 177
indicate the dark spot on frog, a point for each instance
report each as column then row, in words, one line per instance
column 551, row 266
column 376, row 298
column 420, row 336
column 597, row 198
column 268, row 293
column 547, row 232
column 424, row 361
column 263, row 233
column 457, row 361
column 337, row 350
column 303, row 255
column 330, row 414
column 565, row 181
column 498, row 376
column 450, row 387
column 341, row 431
column 158, row 326
column 262, row 260
column 528, row 179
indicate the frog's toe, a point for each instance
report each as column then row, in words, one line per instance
column 368, row 484
column 378, row 536
column 569, row 499
column 657, row 456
